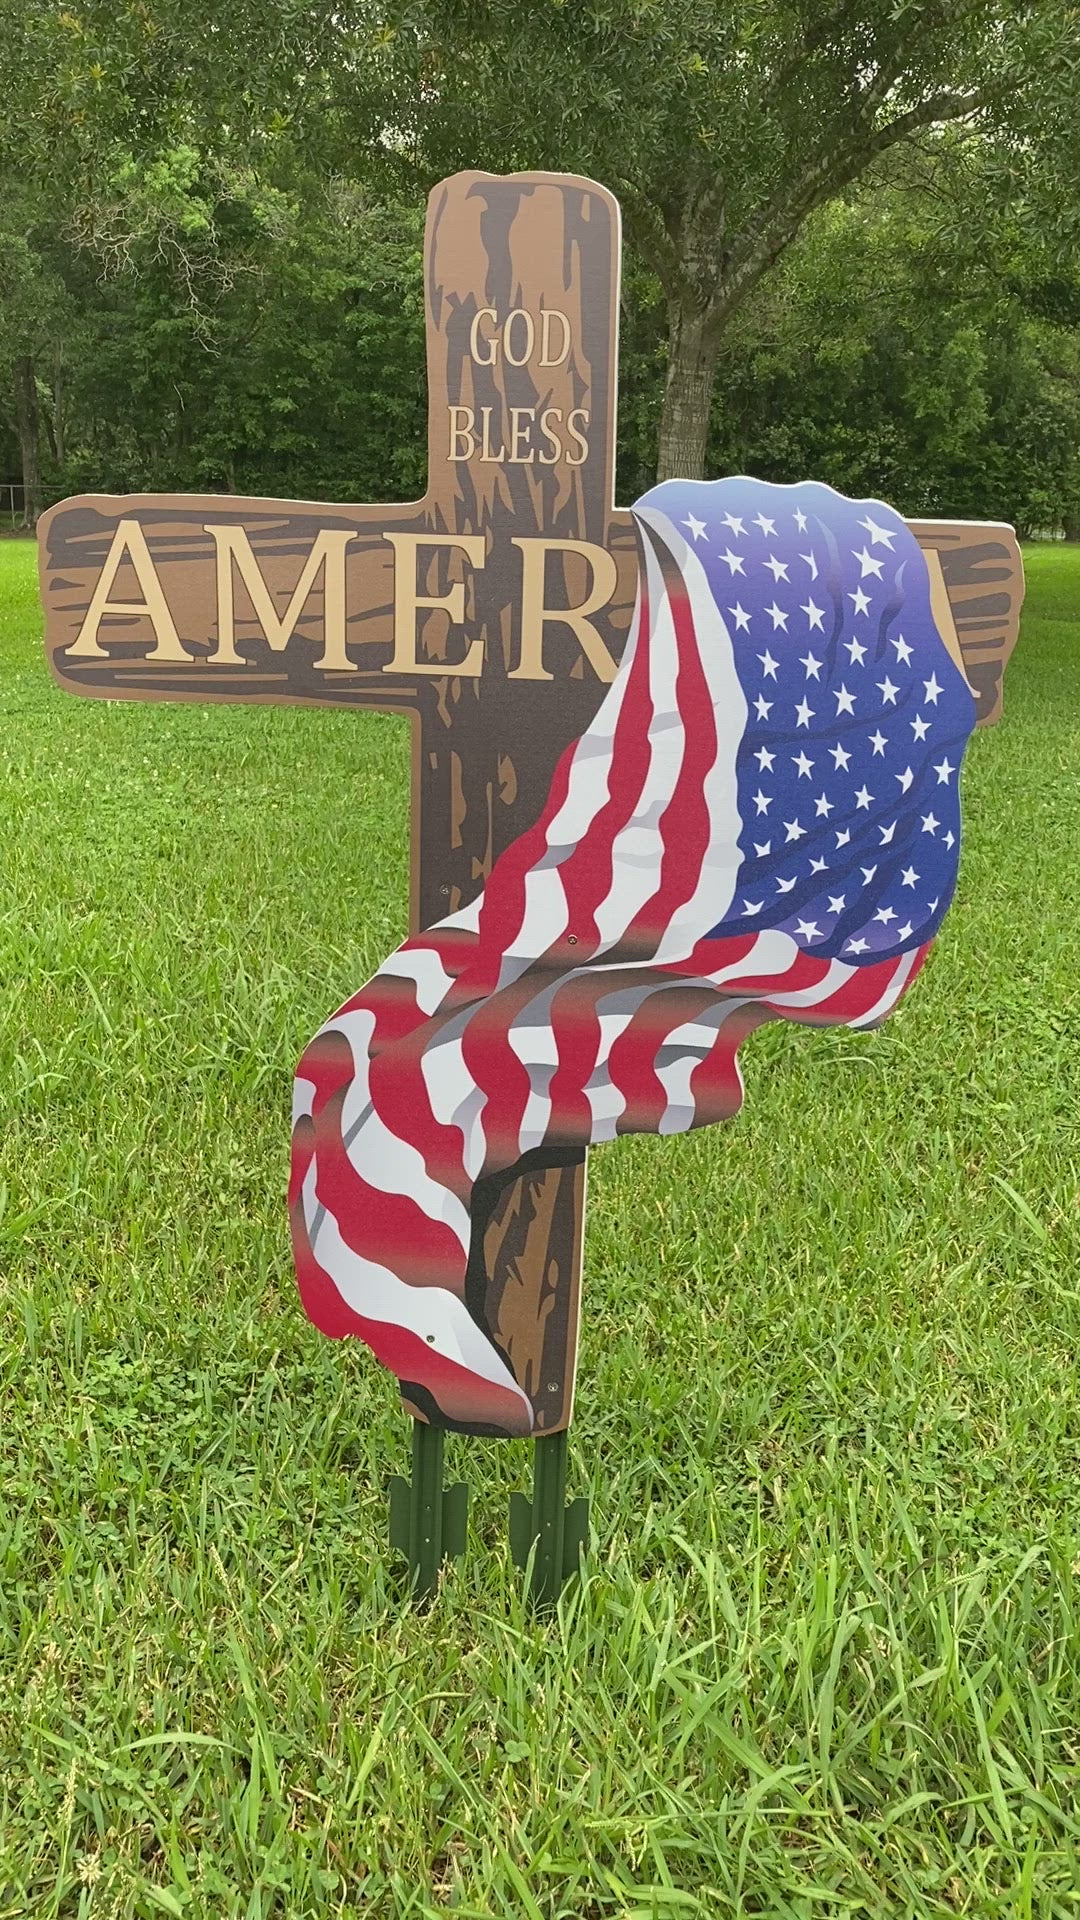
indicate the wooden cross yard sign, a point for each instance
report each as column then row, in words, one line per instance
column 493, row 612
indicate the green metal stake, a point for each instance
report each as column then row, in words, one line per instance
column 560, row 1532
column 427, row 1521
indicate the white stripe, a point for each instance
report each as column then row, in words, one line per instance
column 423, row 966
column 638, row 847
column 433, row 1314
column 714, row 889
column 358, row 1028
column 702, row 1034
column 396, row 1166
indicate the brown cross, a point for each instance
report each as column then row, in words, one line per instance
column 493, row 611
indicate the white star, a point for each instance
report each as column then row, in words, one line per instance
column 878, row 741
column 740, row 617
column 697, row 528
column 909, row 876
column 804, row 714
column 762, row 801
column 920, row 727
column 903, row 651
column 819, row 866
column 904, row 778
column 863, row 799
column 932, row 908
column 809, row 930
column 776, row 567
column 887, row 834
column 823, row 806
column 888, row 692
column 862, row 604
column 837, row 903
column 885, row 914
column 815, row 615
column 843, row 837
column 932, row 689
column 732, row 520
column 845, row 701
column 841, row 758
column 904, row 933
column 785, row 886
column 765, row 759
column 857, row 946
column 950, row 840
column 929, row 824
column 813, row 667
column 800, row 521
column 777, row 616
column 767, row 526
column 761, row 851
column 750, row 907
column 768, row 664
column 879, row 536
column 804, row 765
column 733, row 561
column 867, row 875
column 811, row 563
column 856, row 651
column 943, row 770
column 868, row 564
column 763, row 707
column 794, row 831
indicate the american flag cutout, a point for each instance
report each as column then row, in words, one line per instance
column 762, row 822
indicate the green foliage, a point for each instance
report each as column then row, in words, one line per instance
column 894, row 355
column 824, row 1662
column 296, row 370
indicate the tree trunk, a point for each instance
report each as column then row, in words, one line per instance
column 28, row 427
column 691, row 371
column 59, row 402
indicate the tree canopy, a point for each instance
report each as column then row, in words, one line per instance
column 863, row 217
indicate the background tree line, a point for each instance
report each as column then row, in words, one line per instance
column 851, row 248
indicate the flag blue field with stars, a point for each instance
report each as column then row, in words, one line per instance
column 857, row 720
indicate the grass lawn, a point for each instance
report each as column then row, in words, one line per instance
column 826, row 1661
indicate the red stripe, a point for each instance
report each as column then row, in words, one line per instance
column 576, row 1027
column 459, row 1393
column 685, row 825
column 632, row 1059
column 390, row 1228
column 495, row 1067
column 400, row 1097
column 587, row 873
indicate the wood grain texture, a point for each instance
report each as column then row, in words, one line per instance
column 484, row 746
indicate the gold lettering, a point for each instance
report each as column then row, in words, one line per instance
column 492, row 340
column 534, row 613
column 485, row 449
column 328, row 553
column 549, row 459
column 549, row 314
column 521, row 419
column 407, row 602
column 462, row 430
column 129, row 542
column 579, row 413
column 522, row 359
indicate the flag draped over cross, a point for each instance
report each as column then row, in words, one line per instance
column 493, row 612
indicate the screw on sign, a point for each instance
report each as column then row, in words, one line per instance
column 654, row 756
